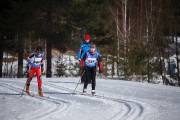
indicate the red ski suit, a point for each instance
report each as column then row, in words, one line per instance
column 36, row 63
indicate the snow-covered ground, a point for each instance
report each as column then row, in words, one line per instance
column 115, row 100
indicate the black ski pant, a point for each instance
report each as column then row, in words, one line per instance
column 90, row 73
column 84, row 78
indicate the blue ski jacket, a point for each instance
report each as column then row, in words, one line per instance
column 84, row 47
column 36, row 61
column 91, row 60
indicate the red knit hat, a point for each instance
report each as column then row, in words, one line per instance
column 87, row 37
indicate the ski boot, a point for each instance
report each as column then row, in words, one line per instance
column 93, row 93
column 27, row 89
column 28, row 85
column 84, row 91
column 40, row 92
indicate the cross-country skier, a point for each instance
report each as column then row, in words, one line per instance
column 89, row 62
column 84, row 47
column 36, row 60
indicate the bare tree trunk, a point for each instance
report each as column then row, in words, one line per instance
column 147, row 38
column 118, row 40
column 49, row 65
column 49, row 44
column 141, row 20
column 1, row 61
column 124, row 33
column 112, row 71
column 160, row 54
column 7, row 65
column 20, row 55
column 148, row 71
column 177, row 59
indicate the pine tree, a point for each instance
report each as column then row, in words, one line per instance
column 60, row 67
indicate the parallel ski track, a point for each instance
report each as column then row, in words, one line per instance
column 58, row 106
column 132, row 111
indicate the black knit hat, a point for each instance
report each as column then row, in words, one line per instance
column 39, row 48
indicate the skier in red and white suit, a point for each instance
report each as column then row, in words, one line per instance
column 35, row 61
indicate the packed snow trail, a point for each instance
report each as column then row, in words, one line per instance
column 51, row 109
column 131, row 109
column 115, row 100
column 127, row 108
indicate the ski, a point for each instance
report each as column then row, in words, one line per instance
column 37, row 96
column 88, row 94
column 32, row 95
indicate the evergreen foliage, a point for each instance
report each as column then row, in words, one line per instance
column 61, row 24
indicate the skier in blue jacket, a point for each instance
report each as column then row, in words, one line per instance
column 89, row 62
column 84, row 47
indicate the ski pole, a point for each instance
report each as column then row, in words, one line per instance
column 78, row 82
column 23, row 89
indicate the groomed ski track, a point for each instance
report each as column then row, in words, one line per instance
column 59, row 102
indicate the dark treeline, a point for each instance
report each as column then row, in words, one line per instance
column 128, row 33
